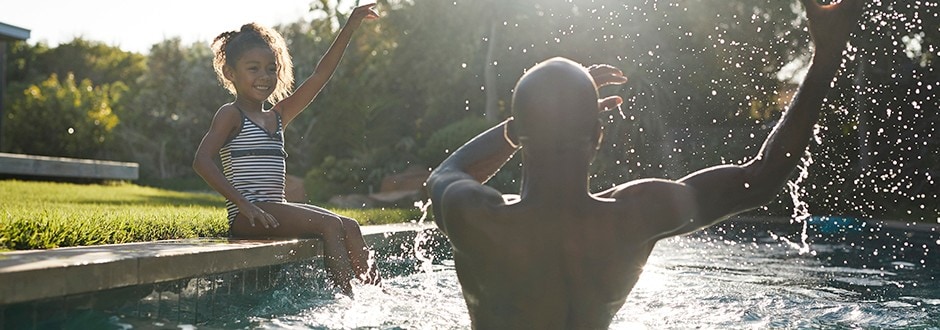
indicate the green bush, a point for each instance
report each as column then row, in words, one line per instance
column 334, row 177
column 63, row 117
column 446, row 140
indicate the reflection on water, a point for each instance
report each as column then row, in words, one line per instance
column 724, row 280
column 418, row 301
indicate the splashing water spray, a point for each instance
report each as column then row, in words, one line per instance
column 421, row 238
column 423, row 206
column 800, row 207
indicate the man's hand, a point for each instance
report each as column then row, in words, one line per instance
column 605, row 75
column 830, row 25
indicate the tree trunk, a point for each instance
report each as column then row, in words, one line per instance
column 489, row 76
column 161, row 160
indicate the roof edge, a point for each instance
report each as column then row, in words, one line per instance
column 11, row 32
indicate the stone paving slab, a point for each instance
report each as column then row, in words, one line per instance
column 39, row 274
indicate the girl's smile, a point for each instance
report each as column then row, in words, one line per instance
column 255, row 74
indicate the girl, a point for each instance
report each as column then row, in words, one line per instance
column 254, row 65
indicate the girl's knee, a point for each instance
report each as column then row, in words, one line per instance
column 333, row 226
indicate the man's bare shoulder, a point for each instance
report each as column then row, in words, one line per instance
column 457, row 199
column 660, row 205
column 471, row 191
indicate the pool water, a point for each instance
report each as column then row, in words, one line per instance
column 735, row 275
column 741, row 277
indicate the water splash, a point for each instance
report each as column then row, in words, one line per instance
column 800, row 207
column 422, row 252
column 423, row 206
column 422, row 238
column 622, row 115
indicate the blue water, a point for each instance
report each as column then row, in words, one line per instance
column 733, row 276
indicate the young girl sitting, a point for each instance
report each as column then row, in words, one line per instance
column 254, row 65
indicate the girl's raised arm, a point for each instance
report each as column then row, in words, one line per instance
column 292, row 105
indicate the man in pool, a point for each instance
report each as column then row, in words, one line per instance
column 562, row 257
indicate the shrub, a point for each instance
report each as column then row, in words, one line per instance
column 446, row 140
column 334, row 177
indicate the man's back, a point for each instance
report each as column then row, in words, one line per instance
column 544, row 264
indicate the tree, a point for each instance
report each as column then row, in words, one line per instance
column 102, row 66
column 360, row 128
column 85, row 59
column 167, row 118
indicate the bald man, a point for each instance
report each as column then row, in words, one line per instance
column 563, row 257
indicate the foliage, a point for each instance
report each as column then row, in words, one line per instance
column 85, row 59
column 63, row 118
column 38, row 215
column 333, row 177
column 356, row 120
column 450, row 137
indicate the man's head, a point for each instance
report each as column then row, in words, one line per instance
column 555, row 105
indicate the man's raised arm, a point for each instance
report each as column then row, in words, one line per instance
column 479, row 159
column 726, row 190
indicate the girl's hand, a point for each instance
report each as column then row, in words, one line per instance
column 364, row 12
column 604, row 75
column 256, row 214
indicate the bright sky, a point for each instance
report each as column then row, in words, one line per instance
column 136, row 25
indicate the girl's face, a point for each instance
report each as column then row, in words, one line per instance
column 255, row 74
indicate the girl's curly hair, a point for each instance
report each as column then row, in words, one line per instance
column 229, row 46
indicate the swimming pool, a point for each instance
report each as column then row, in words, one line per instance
column 738, row 274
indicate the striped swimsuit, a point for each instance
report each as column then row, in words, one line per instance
column 253, row 162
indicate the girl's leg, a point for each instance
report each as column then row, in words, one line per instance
column 295, row 221
column 359, row 253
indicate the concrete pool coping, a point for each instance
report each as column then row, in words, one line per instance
column 41, row 274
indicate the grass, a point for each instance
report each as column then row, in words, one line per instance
column 41, row 215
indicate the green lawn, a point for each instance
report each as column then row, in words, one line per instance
column 39, row 215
